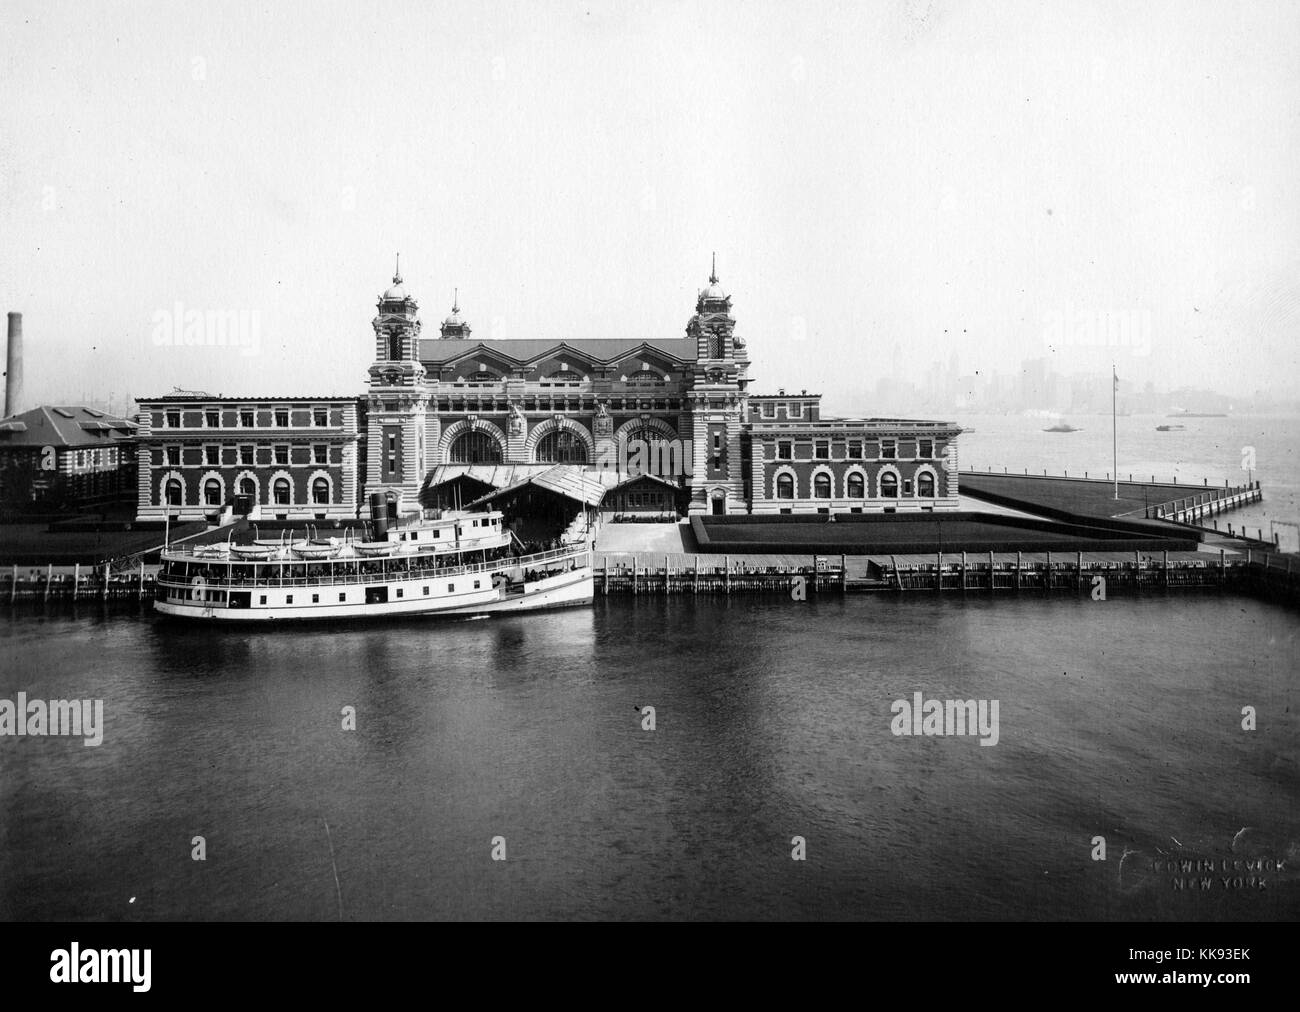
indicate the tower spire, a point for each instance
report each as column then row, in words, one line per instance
column 397, row 273
column 713, row 274
column 455, row 301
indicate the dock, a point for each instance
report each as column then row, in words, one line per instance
column 1074, row 573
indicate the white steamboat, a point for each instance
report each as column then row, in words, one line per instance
column 458, row 565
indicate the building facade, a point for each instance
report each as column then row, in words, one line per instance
column 265, row 458
column 678, row 408
column 69, row 454
column 440, row 408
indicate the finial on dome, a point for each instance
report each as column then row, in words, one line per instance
column 397, row 274
column 713, row 274
column 455, row 301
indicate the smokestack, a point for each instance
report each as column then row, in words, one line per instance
column 14, row 366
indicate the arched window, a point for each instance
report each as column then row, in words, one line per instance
column 475, row 448
column 925, row 485
column 561, row 447
column 822, row 486
column 563, row 376
column 280, row 491
column 247, row 486
column 856, row 487
column 645, row 378
column 395, row 345
column 483, row 377
column 715, row 346
column 212, row 492
column 785, row 486
column 320, row 491
column 889, row 485
column 175, row 492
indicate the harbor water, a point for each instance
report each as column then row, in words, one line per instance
column 1119, row 722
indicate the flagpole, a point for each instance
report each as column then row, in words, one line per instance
column 1114, row 438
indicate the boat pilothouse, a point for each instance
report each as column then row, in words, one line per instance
column 458, row 564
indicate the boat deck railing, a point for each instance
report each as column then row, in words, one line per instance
column 332, row 579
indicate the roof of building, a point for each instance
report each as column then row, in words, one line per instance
column 598, row 350
column 64, row 425
column 199, row 397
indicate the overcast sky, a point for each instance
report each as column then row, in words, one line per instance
column 886, row 184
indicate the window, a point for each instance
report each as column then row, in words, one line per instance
column 925, row 485
column 889, row 485
column 714, row 346
column 342, row 598
column 785, row 451
column 175, row 493
column 282, row 454
column 426, row 591
column 320, row 491
column 173, row 456
column 247, row 418
column 315, row 599
column 856, row 486
column 925, row 449
column 247, row 455
column 280, row 491
column 282, row 418
column 768, row 409
column 261, row 599
column 855, row 449
column 476, row 584
column 451, row 588
column 173, row 419
column 823, row 449
column 785, row 486
column 212, row 418
column 399, row 591
column 645, row 378
column 561, row 447
column 795, row 409
column 320, row 453
column 212, row 456
column 475, row 448
column 212, row 492
column 320, row 416
column 288, row 599
column 907, row 486
column 822, row 486
column 889, row 449
column 247, row 487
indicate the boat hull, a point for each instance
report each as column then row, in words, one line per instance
column 571, row 589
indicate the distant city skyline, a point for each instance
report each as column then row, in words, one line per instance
column 884, row 185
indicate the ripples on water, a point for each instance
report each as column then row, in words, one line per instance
column 1119, row 719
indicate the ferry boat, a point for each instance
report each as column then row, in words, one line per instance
column 457, row 565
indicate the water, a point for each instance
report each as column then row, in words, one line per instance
column 1213, row 448
column 1119, row 719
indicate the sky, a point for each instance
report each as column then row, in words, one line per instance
column 886, row 185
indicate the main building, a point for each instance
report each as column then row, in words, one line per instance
column 666, row 415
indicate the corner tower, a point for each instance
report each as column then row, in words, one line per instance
column 397, row 401
column 717, row 403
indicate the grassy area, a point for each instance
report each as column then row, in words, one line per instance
column 1071, row 495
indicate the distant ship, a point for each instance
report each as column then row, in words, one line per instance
column 1184, row 413
column 1062, row 427
column 1170, row 428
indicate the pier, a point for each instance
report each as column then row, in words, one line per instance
column 1074, row 573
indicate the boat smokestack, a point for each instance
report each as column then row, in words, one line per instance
column 14, row 366
column 379, row 514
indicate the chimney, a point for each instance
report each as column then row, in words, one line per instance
column 14, row 366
